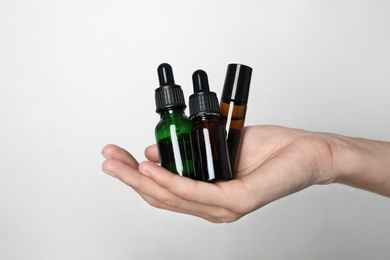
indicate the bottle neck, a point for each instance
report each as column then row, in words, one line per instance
column 174, row 112
column 205, row 117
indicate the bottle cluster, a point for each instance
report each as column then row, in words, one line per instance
column 204, row 146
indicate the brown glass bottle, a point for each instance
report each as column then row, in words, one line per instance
column 209, row 153
column 208, row 137
column 233, row 107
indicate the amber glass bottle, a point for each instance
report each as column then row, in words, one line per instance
column 208, row 136
column 173, row 130
column 233, row 106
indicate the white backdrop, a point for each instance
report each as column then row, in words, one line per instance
column 76, row 75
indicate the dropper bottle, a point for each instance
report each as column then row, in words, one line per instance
column 208, row 136
column 233, row 107
column 173, row 130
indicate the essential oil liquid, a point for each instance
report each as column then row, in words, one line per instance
column 176, row 156
column 210, row 157
column 233, row 118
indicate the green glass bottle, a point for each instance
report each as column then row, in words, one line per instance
column 174, row 128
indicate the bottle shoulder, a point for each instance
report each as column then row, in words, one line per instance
column 179, row 121
column 212, row 125
column 174, row 120
column 205, row 119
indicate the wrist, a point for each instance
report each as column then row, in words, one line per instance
column 361, row 163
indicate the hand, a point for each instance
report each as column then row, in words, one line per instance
column 274, row 162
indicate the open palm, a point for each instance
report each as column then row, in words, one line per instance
column 274, row 162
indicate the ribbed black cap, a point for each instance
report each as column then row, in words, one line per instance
column 202, row 101
column 237, row 83
column 168, row 95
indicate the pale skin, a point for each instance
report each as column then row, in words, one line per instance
column 274, row 162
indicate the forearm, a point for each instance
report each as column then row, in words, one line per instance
column 362, row 163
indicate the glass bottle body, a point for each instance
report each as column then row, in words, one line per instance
column 209, row 149
column 233, row 119
column 173, row 142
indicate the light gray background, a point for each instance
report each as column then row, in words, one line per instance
column 76, row 75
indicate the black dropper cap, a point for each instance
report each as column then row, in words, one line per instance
column 202, row 101
column 168, row 95
column 237, row 83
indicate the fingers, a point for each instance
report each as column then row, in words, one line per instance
column 151, row 153
column 221, row 195
column 177, row 204
column 184, row 187
column 145, row 186
column 112, row 151
column 159, row 196
column 165, row 190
